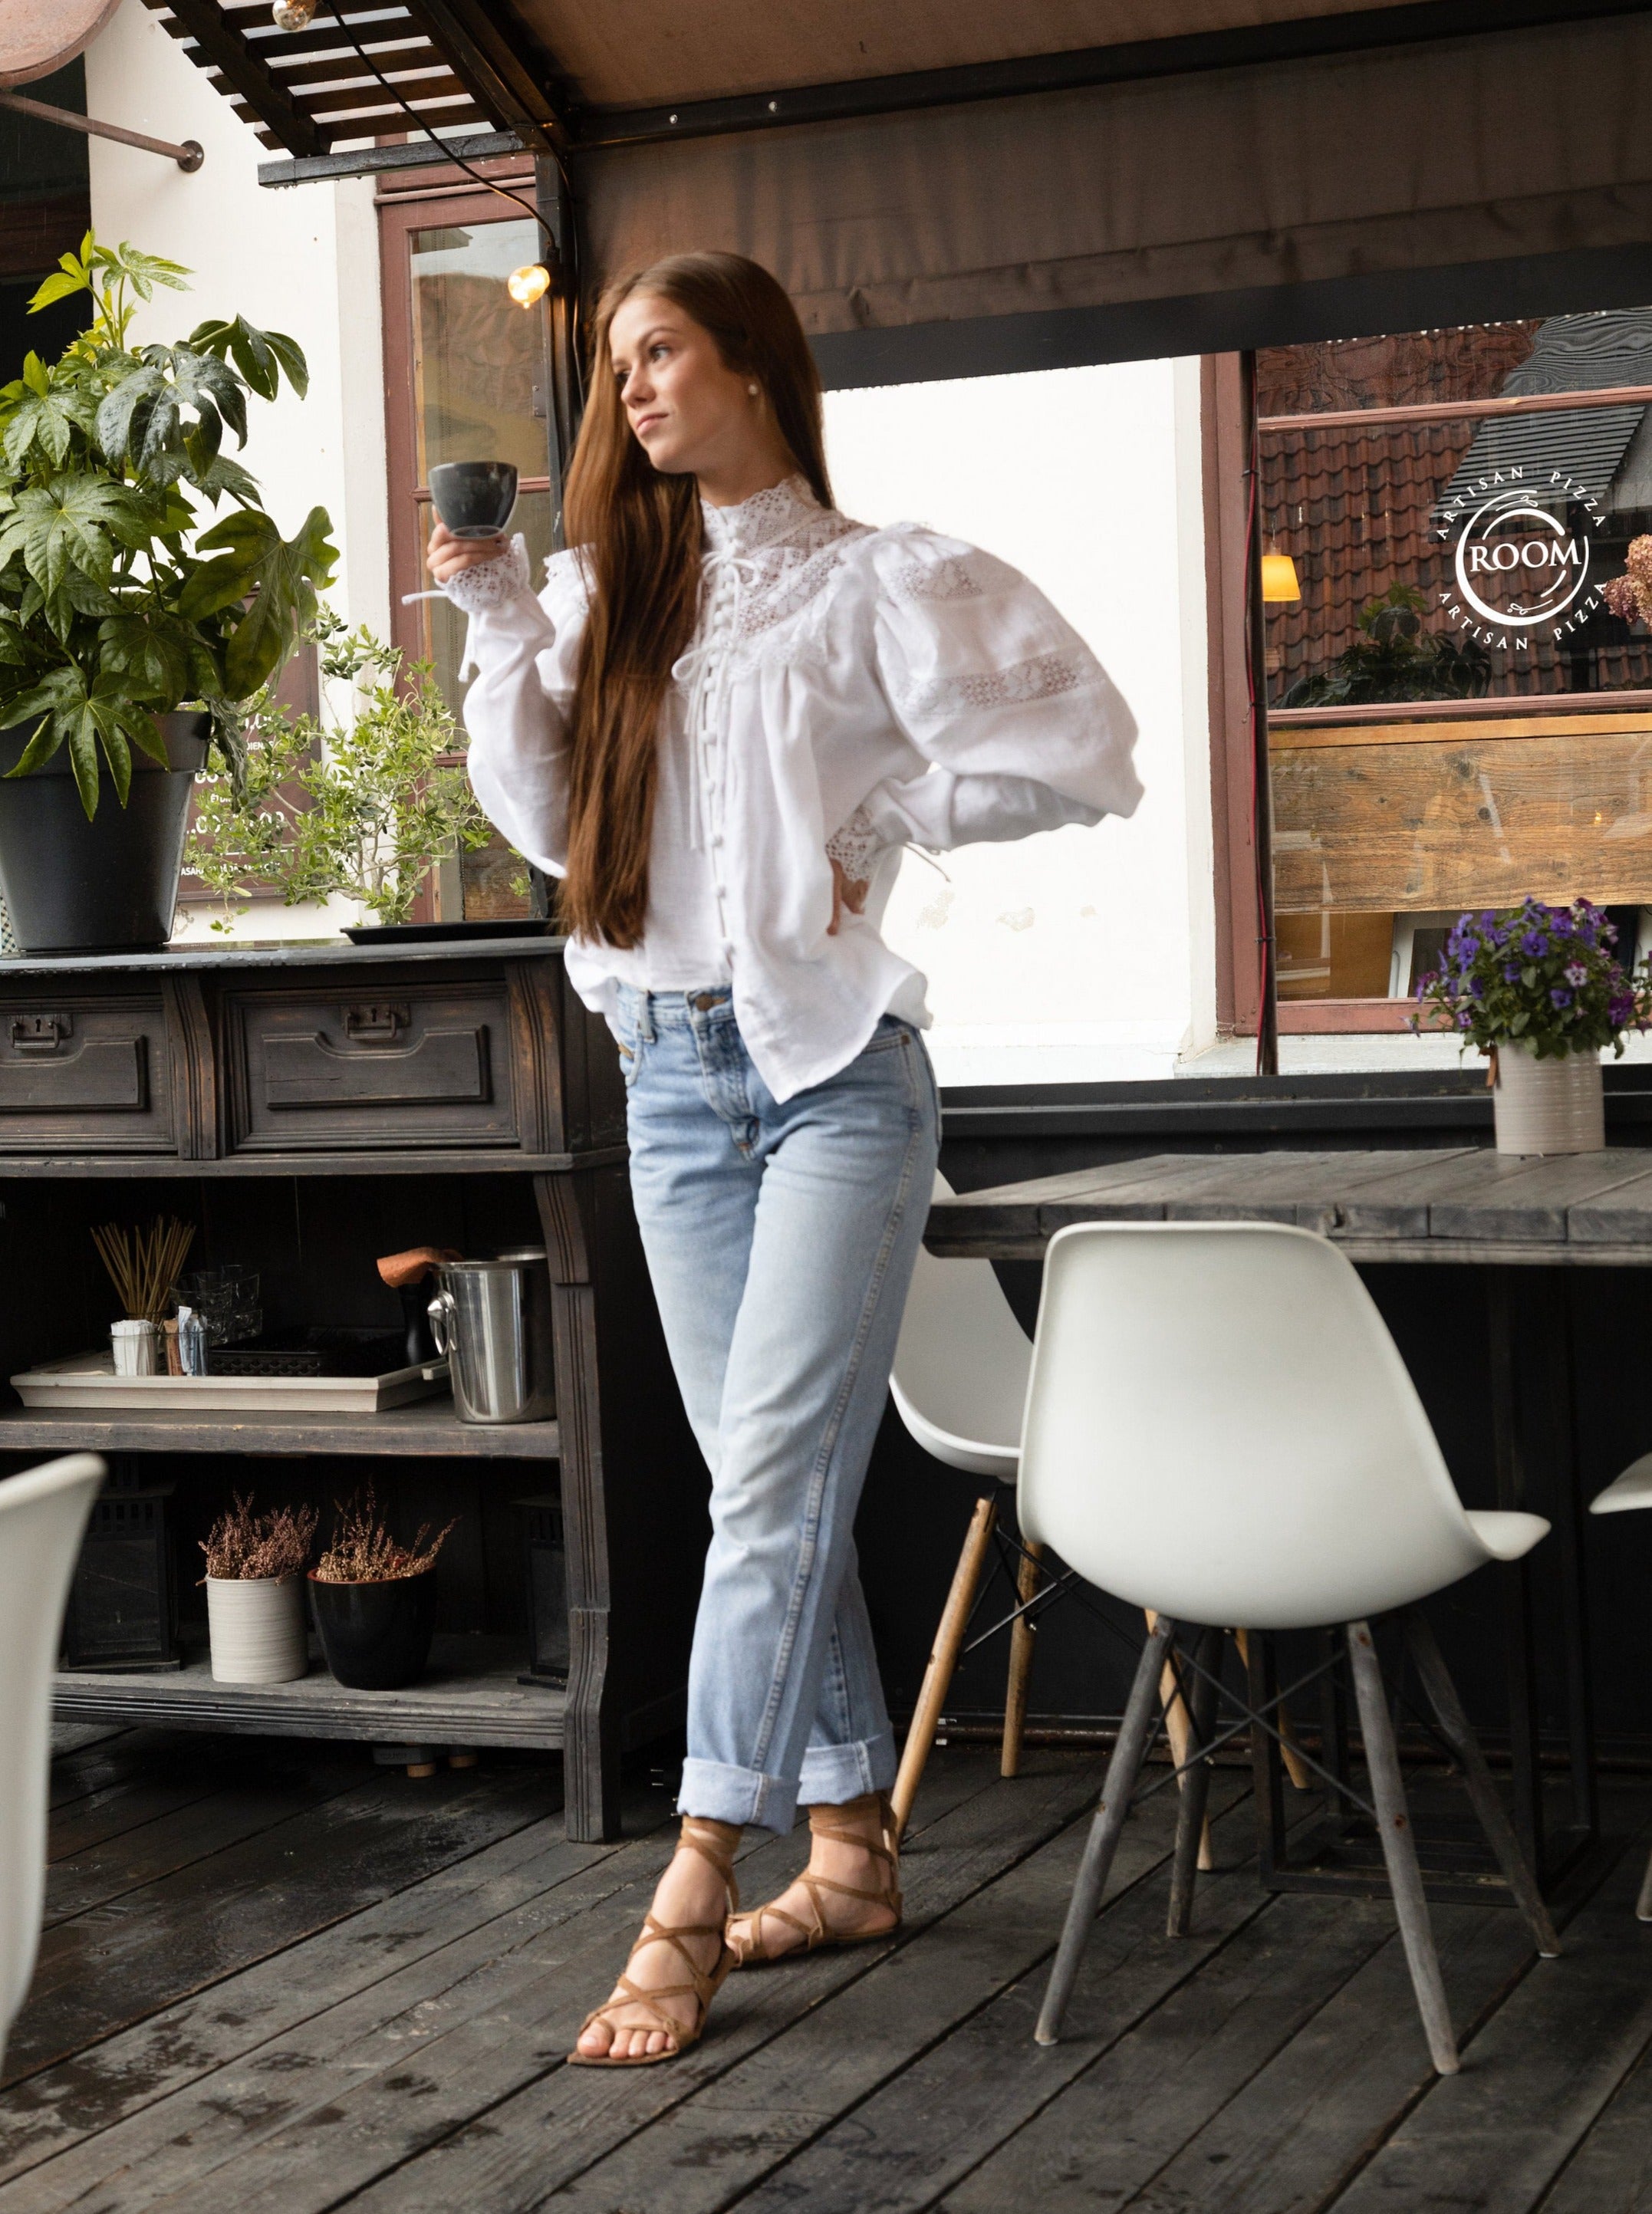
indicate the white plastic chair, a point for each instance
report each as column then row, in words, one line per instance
column 42, row 1518
column 959, row 1384
column 1632, row 1490
column 1219, row 1428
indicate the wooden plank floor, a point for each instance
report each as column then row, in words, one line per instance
column 278, row 1980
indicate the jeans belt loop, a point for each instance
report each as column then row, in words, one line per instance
column 646, row 1017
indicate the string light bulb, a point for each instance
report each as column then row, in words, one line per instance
column 293, row 15
column 529, row 282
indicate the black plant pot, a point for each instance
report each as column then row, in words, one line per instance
column 377, row 1637
column 106, row 886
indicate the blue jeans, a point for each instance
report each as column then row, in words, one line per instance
column 780, row 1240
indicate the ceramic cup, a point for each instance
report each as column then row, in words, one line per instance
column 474, row 499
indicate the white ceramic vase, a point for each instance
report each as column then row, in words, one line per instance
column 1553, row 1106
column 260, row 1635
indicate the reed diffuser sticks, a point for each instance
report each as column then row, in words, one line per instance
column 144, row 1265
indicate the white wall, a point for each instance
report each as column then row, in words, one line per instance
column 1087, row 954
column 304, row 261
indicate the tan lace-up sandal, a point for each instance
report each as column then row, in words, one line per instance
column 703, row 1984
column 750, row 1946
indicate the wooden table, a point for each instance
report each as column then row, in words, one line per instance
column 1463, row 1206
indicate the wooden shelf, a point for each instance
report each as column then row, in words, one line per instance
column 431, row 1161
column 428, row 1429
column 469, row 1695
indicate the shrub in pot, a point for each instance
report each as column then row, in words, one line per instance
column 363, row 806
column 255, row 1593
column 1538, row 988
column 375, row 1599
column 135, row 618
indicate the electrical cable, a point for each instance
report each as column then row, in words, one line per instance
column 449, row 154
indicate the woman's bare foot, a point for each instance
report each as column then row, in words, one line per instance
column 849, row 1892
column 692, row 1897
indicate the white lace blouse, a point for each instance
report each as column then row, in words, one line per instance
column 848, row 690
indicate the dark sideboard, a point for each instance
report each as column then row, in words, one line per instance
column 310, row 1107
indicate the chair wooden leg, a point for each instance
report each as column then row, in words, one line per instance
column 1301, row 1780
column 1176, row 1729
column 1399, row 1848
column 943, row 1659
column 1192, row 1828
column 1499, row 1830
column 1123, row 1770
column 1022, row 1634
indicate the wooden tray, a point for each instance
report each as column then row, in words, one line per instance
column 88, row 1380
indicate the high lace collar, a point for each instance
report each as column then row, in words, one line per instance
column 760, row 521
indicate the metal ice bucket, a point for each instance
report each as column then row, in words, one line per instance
column 492, row 1322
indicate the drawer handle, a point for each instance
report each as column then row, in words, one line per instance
column 376, row 1025
column 40, row 1033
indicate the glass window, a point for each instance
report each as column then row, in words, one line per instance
column 1457, row 717
column 479, row 380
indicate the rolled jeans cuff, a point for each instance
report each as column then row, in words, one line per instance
column 718, row 1792
column 832, row 1774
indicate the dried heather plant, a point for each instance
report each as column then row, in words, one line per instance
column 362, row 1551
column 243, row 1545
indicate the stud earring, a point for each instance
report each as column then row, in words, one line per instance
column 752, row 390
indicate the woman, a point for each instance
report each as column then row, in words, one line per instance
column 727, row 713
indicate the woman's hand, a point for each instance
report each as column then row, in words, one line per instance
column 848, row 896
column 446, row 556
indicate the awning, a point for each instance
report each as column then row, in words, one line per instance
column 941, row 163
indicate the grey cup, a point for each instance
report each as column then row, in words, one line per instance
column 474, row 499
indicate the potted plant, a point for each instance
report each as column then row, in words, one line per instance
column 375, row 1599
column 134, row 617
column 363, row 805
column 1538, row 988
column 255, row 1595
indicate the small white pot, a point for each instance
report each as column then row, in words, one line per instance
column 1554, row 1106
column 258, row 1632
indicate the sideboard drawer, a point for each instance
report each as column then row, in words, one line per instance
column 377, row 1068
column 80, row 1072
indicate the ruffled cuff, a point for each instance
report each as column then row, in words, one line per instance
column 487, row 585
column 855, row 846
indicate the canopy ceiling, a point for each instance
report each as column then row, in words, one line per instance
column 925, row 164
column 640, row 53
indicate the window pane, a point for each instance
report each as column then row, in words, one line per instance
column 1422, row 564
column 479, row 359
column 1457, row 559
column 442, row 627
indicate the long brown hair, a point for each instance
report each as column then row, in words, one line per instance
column 641, row 532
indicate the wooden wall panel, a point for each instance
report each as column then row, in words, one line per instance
column 1463, row 820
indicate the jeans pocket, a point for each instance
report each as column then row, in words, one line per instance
column 630, row 1047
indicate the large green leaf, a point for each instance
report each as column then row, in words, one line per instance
column 284, row 575
column 46, row 421
column 76, row 521
column 85, row 718
column 261, row 355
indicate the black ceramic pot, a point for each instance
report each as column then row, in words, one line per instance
column 106, row 886
column 377, row 1637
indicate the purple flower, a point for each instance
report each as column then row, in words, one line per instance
column 1464, row 1021
column 1511, row 974
column 1575, row 973
column 1619, row 1012
column 1586, row 932
column 1561, row 997
column 1476, row 987
column 1534, row 944
column 1561, row 924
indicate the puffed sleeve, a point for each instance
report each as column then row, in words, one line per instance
column 526, row 653
column 1023, row 728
